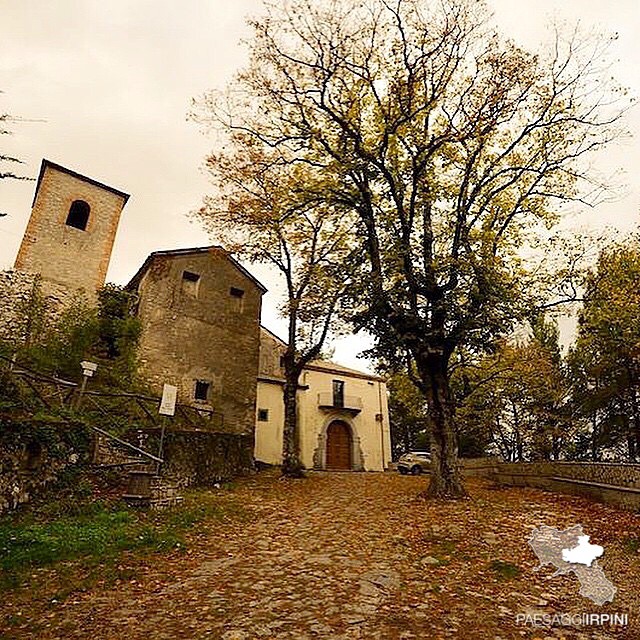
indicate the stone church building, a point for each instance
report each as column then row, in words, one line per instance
column 200, row 314
column 343, row 417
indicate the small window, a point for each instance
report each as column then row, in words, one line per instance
column 78, row 215
column 190, row 277
column 338, row 393
column 263, row 415
column 202, row 390
column 190, row 283
column 282, row 362
column 238, row 296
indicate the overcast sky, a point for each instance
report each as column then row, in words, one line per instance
column 113, row 80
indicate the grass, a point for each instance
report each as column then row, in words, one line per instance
column 505, row 570
column 99, row 534
column 77, row 526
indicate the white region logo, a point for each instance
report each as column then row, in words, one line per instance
column 584, row 553
column 570, row 551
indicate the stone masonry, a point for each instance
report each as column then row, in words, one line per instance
column 200, row 315
column 16, row 291
column 19, row 291
column 63, row 254
column 27, row 464
column 609, row 482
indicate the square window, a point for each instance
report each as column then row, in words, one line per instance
column 190, row 277
column 238, row 297
column 190, row 283
column 201, row 391
column 263, row 415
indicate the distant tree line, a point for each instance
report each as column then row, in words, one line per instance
column 525, row 400
column 7, row 161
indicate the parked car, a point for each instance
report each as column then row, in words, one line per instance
column 414, row 462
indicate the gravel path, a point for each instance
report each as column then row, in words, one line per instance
column 360, row 556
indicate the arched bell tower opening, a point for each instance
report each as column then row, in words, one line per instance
column 78, row 215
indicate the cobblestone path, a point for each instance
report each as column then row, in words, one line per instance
column 359, row 556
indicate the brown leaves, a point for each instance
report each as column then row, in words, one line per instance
column 341, row 554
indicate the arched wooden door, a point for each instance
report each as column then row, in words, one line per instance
column 339, row 446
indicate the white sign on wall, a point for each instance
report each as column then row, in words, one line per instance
column 168, row 402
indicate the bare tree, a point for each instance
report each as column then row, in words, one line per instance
column 5, row 119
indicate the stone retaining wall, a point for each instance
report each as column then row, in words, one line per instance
column 22, row 297
column 16, row 290
column 617, row 474
column 612, row 483
column 32, row 456
column 199, row 458
column 25, row 472
column 483, row 467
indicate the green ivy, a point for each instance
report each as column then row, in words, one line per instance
column 57, row 436
column 107, row 334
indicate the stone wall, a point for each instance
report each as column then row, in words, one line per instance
column 271, row 351
column 613, row 483
column 23, row 296
column 16, row 292
column 108, row 453
column 611, row 473
column 32, row 456
column 199, row 458
column 617, row 484
column 483, row 467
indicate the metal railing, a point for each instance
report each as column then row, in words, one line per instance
column 33, row 390
column 329, row 401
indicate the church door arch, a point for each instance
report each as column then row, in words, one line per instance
column 339, row 446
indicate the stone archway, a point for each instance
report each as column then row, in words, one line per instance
column 353, row 440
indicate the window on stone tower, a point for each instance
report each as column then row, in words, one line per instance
column 238, row 296
column 78, row 215
column 201, row 391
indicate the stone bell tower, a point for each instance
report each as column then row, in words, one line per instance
column 70, row 234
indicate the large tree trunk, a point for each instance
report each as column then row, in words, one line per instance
column 291, row 465
column 446, row 477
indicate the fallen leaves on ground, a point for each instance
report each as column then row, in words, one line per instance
column 343, row 556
